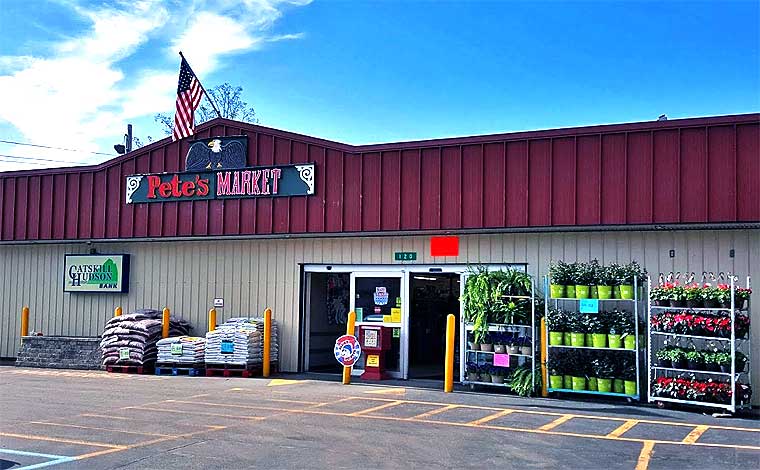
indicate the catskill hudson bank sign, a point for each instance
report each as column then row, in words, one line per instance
column 270, row 181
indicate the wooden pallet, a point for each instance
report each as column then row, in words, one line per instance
column 128, row 369
column 234, row 370
column 192, row 370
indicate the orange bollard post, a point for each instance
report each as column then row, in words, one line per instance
column 350, row 327
column 267, row 341
column 448, row 386
column 212, row 319
column 165, row 323
column 117, row 312
column 25, row 321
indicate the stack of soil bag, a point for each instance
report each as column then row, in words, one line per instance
column 181, row 350
column 240, row 342
column 131, row 339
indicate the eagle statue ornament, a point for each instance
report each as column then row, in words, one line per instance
column 215, row 156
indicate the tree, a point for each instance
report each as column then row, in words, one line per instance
column 228, row 99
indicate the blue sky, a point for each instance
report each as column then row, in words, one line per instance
column 73, row 73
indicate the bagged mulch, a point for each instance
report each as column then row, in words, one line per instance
column 131, row 339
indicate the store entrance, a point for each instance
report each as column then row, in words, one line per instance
column 433, row 297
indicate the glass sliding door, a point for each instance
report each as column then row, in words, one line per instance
column 379, row 298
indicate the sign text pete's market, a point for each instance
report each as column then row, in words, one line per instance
column 272, row 181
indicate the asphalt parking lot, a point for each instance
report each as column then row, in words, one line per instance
column 76, row 419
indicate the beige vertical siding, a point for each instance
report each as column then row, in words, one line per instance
column 253, row 274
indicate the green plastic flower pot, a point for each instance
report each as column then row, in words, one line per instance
column 566, row 339
column 570, row 292
column 556, row 338
column 555, row 381
column 614, row 341
column 582, row 292
column 605, row 292
column 604, row 385
column 630, row 387
column 557, row 291
column 577, row 339
column 626, row 292
column 630, row 342
column 589, row 339
column 618, row 386
column 593, row 384
column 579, row 383
column 594, row 292
column 599, row 340
column 567, row 382
column 615, row 292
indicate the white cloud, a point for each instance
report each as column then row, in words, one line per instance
column 87, row 86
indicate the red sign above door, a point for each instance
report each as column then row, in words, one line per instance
column 444, row 246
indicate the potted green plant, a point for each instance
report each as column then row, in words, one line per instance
column 472, row 372
column 522, row 379
column 485, row 341
column 596, row 270
column 571, row 279
column 576, row 364
column 741, row 361
column 484, row 373
column 631, row 273
column 678, row 358
column 604, row 372
column 663, row 357
column 627, row 329
column 711, row 296
column 556, row 368
column 559, row 274
column 677, row 296
column 586, row 320
column 513, row 346
column 605, row 282
column 584, row 276
column 616, row 272
column 629, row 378
column 597, row 330
column 614, row 328
column 694, row 295
column 741, row 297
column 526, row 346
column 694, row 359
column 660, row 296
column 499, row 343
column 497, row 374
column 556, row 322
column 711, row 361
column 577, row 330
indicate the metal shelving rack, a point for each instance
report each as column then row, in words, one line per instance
column 551, row 348
column 482, row 357
column 656, row 342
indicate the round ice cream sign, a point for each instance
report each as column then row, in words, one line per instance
column 381, row 296
column 347, row 350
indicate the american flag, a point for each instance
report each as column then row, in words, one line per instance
column 189, row 94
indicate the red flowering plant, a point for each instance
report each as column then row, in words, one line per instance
column 697, row 390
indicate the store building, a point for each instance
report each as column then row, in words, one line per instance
column 313, row 241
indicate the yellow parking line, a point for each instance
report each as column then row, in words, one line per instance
column 623, row 428
column 93, row 415
column 434, row 412
column 645, row 455
column 491, row 417
column 33, row 437
column 556, row 422
column 202, row 413
column 692, row 437
column 120, row 431
column 376, row 408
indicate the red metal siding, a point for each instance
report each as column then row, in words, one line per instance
column 689, row 171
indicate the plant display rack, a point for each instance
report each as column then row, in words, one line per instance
column 739, row 374
column 573, row 304
column 470, row 355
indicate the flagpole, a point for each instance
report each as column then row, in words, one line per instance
column 213, row 105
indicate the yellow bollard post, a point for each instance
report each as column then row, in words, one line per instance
column 165, row 323
column 350, row 327
column 267, row 341
column 25, row 321
column 544, row 376
column 448, row 386
column 117, row 312
column 212, row 319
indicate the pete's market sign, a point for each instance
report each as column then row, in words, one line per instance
column 96, row 273
column 269, row 181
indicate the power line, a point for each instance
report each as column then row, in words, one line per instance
column 16, row 157
column 56, row 148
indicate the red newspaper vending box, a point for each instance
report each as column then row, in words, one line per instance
column 375, row 341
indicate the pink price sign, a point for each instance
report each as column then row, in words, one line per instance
column 501, row 360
